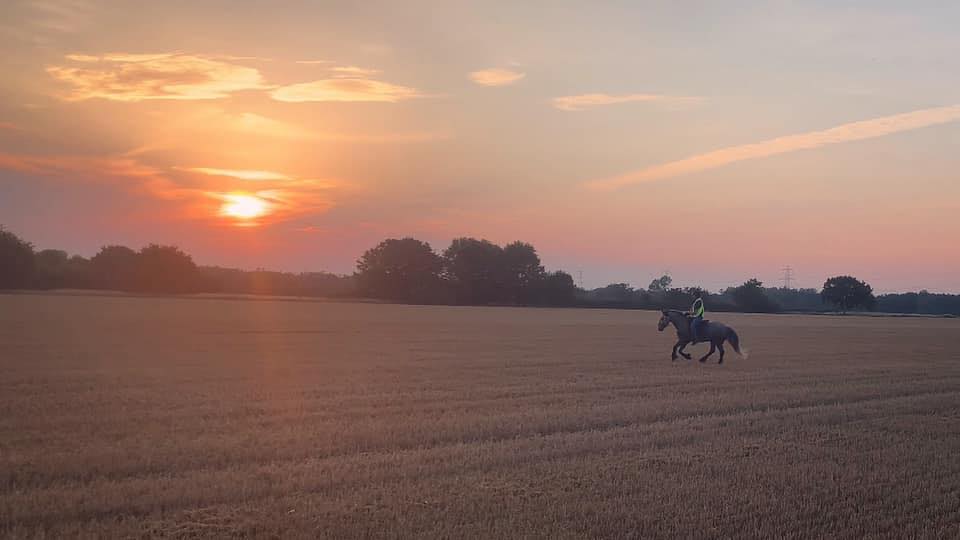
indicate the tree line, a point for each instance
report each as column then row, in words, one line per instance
column 153, row 269
column 468, row 272
column 843, row 293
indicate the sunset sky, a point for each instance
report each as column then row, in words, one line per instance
column 715, row 140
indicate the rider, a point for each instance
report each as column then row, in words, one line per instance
column 696, row 314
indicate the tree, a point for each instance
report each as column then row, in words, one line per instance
column 795, row 299
column 17, row 265
column 675, row 298
column 848, row 292
column 475, row 270
column 114, row 268
column 692, row 292
column 751, row 297
column 557, row 289
column 78, row 273
column 165, row 269
column 52, row 267
column 661, row 284
column 405, row 270
column 522, row 271
column 615, row 294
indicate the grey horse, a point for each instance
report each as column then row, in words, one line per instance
column 714, row 332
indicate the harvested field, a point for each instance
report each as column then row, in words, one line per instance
column 131, row 417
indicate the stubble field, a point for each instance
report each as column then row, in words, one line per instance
column 136, row 417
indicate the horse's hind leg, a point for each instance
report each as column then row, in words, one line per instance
column 720, row 346
column 713, row 347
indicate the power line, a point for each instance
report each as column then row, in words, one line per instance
column 787, row 276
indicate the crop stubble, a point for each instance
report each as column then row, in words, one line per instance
column 205, row 417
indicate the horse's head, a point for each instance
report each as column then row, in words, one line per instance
column 664, row 321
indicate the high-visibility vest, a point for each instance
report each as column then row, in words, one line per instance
column 697, row 307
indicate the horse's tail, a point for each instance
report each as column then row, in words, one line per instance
column 735, row 341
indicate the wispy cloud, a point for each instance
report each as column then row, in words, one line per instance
column 353, row 71
column 496, row 76
column 240, row 174
column 314, row 62
column 126, row 171
column 46, row 22
column 586, row 101
column 61, row 15
column 199, row 192
column 139, row 77
column 346, row 89
column 854, row 131
column 260, row 125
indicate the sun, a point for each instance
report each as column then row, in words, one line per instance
column 245, row 207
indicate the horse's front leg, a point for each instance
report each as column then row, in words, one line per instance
column 673, row 355
column 713, row 347
column 683, row 345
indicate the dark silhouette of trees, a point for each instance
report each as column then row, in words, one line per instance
column 405, row 270
column 796, row 299
column 661, row 284
column 115, row 268
column 234, row 281
column 17, row 265
column 475, row 270
column 480, row 272
column 615, row 295
column 848, row 292
column 470, row 271
column 555, row 289
column 52, row 270
column 522, row 272
column 921, row 302
column 56, row 269
column 751, row 297
column 166, row 269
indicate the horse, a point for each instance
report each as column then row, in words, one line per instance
column 714, row 332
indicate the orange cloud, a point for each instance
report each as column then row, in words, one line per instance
column 345, row 89
column 496, row 76
column 88, row 166
column 240, row 174
column 586, row 101
column 854, row 131
column 257, row 124
column 353, row 71
column 139, row 77
column 284, row 197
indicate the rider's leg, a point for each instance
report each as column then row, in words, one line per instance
column 693, row 329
